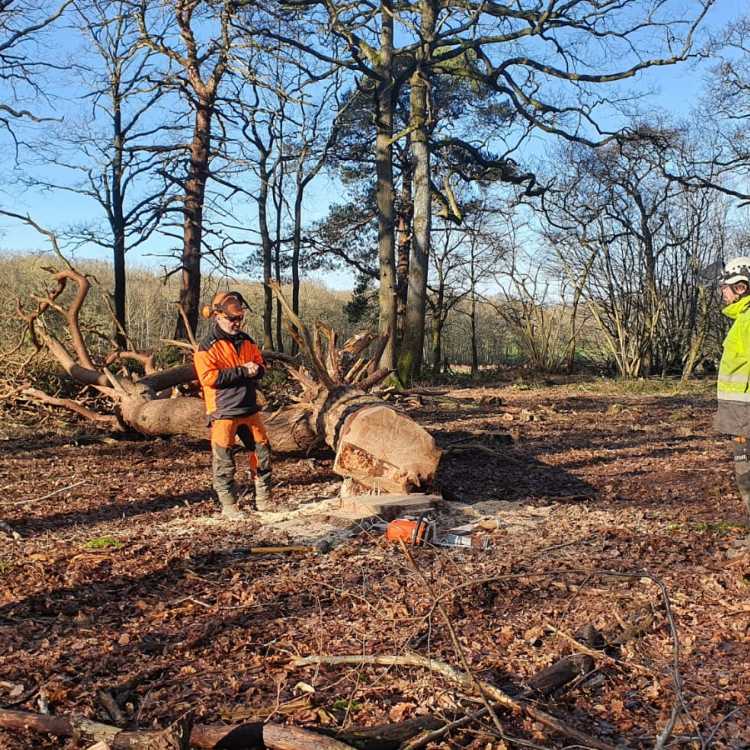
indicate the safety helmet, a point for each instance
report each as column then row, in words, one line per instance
column 221, row 301
column 736, row 270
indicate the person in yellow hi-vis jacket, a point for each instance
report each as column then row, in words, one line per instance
column 229, row 365
column 733, row 384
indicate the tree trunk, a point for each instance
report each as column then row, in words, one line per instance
column 474, row 352
column 289, row 429
column 438, row 319
column 296, row 246
column 117, row 219
column 266, row 250
column 410, row 360
column 404, row 244
column 384, row 186
column 195, row 191
column 278, row 202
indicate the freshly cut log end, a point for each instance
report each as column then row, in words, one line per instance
column 387, row 451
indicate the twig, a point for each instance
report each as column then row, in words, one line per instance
column 666, row 733
column 711, row 736
column 188, row 327
column 48, row 495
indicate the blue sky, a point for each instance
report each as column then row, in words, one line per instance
column 673, row 89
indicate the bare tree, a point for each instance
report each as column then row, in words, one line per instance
column 200, row 50
column 636, row 242
column 721, row 157
column 21, row 62
column 112, row 151
column 448, row 287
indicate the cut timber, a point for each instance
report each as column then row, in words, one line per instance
column 386, row 507
column 386, row 450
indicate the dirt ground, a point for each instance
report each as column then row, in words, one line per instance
column 125, row 582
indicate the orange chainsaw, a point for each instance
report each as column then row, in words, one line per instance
column 420, row 531
column 411, row 531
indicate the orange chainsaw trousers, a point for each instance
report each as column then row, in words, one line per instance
column 252, row 434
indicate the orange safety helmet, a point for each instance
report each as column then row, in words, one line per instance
column 219, row 303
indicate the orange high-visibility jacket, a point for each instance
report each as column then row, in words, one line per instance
column 228, row 389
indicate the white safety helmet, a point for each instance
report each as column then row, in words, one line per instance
column 736, row 270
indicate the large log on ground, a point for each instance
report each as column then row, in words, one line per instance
column 289, row 429
column 375, row 445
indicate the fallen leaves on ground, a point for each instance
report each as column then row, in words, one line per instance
column 125, row 581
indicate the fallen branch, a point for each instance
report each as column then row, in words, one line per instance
column 465, row 682
column 107, row 420
column 45, row 497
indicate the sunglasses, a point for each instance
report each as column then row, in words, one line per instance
column 234, row 318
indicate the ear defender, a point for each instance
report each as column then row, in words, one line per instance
column 219, row 301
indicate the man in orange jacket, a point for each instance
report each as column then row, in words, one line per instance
column 229, row 365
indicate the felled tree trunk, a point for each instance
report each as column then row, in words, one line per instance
column 289, row 429
column 374, row 443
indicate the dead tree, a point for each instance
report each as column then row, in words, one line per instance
column 375, row 444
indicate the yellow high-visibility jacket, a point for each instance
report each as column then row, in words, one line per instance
column 733, row 384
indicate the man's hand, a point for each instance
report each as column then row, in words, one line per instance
column 251, row 368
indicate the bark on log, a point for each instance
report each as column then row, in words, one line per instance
column 277, row 737
column 289, row 429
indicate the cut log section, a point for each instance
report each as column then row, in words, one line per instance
column 386, row 450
